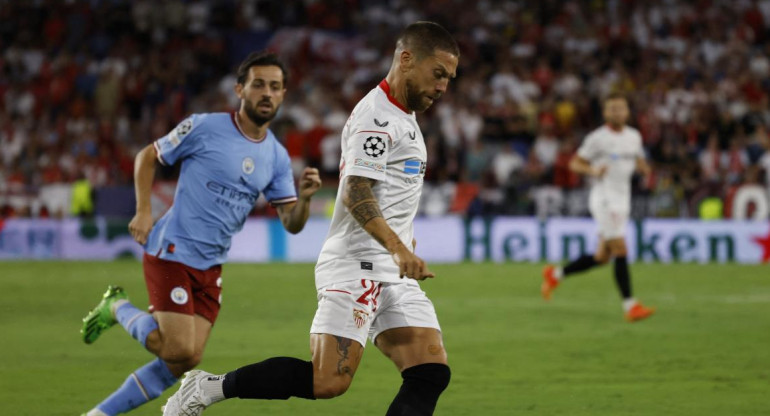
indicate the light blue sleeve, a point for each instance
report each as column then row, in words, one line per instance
column 281, row 189
column 180, row 142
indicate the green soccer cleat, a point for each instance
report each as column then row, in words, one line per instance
column 100, row 318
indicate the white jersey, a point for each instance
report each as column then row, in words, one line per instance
column 618, row 150
column 381, row 141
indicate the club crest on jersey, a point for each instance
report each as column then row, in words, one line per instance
column 383, row 124
column 360, row 317
column 374, row 146
column 414, row 167
column 247, row 165
column 179, row 295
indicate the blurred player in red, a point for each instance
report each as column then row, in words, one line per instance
column 609, row 156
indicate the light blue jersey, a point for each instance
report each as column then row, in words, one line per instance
column 223, row 173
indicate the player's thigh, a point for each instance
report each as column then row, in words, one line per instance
column 177, row 335
column 602, row 253
column 339, row 331
column 202, row 330
column 411, row 346
column 617, row 246
column 334, row 355
column 406, row 328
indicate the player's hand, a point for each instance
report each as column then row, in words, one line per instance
column 309, row 183
column 140, row 226
column 601, row 171
column 414, row 245
column 411, row 266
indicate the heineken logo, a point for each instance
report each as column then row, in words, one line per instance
column 526, row 239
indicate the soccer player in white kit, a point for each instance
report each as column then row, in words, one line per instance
column 609, row 156
column 367, row 272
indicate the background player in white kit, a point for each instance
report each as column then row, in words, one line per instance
column 609, row 155
column 362, row 292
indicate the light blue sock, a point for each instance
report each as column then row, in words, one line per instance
column 137, row 322
column 139, row 388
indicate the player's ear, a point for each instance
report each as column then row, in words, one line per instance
column 406, row 60
column 238, row 90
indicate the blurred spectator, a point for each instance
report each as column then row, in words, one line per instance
column 94, row 82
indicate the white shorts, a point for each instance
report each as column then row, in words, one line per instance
column 358, row 309
column 612, row 222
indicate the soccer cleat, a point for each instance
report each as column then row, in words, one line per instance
column 638, row 312
column 549, row 282
column 100, row 318
column 190, row 399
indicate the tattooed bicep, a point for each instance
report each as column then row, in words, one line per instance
column 359, row 181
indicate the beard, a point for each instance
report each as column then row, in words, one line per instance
column 415, row 100
column 255, row 117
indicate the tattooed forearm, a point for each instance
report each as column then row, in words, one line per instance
column 343, row 349
column 359, row 199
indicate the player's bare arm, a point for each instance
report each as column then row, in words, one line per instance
column 360, row 201
column 294, row 215
column 643, row 167
column 144, row 172
column 583, row 167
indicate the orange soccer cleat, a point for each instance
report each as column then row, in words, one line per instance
column 549, row 282
column 639, row 312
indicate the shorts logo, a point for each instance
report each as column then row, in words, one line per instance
column 247, row 165
column 179, row 295
column 360, row 317
column 378, row 167
column 374, row 146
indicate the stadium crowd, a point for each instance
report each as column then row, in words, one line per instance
column 85, row 84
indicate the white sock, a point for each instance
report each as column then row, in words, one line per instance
column 558, row 272
column 96, row 412
column 212, row 387
column 628, row 304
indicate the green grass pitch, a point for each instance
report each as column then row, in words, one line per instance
column 705, row 352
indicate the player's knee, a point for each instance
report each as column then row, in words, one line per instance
column 179, row 352
column 436, row 375
column 601, row 258
column 330, row 387
column 192, row 362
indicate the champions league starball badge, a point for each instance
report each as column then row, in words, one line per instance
column 374, row 146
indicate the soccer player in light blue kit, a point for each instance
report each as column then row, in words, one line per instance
column 227, row 161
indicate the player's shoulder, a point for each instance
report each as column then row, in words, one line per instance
column 279, row 150
column 199, row 122
column 376, row 112
column 633, row 131
column 209, row 119
column 600, row 131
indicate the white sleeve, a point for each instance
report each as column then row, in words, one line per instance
column 367, row 147
column 589, row 149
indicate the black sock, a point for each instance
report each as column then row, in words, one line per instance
column 420, row 390
column 622, row 277
column 582, row 263
column 275, row 378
